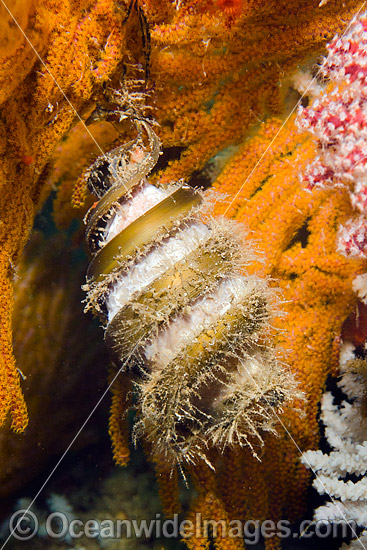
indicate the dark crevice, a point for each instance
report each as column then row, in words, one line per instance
column 199, row 180
column 169, row 154
column 262, row 183
column 301, row 236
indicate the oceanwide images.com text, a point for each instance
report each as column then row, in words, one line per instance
column 25, row 525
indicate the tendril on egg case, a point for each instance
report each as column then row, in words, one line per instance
column 180, row 312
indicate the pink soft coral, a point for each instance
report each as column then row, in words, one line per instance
column 338, row 120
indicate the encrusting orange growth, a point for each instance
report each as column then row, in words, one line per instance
column 218, row 66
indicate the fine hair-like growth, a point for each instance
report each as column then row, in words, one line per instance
column 181, row 313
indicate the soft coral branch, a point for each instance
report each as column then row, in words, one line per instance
column 338, row 120
column 81, row 45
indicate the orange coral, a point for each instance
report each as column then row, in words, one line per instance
column 213, row 78
column 212, row 81
column 82, row 45
column 118, row 426
column 297, row 232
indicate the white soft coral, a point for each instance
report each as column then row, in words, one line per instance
column 346, row 433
